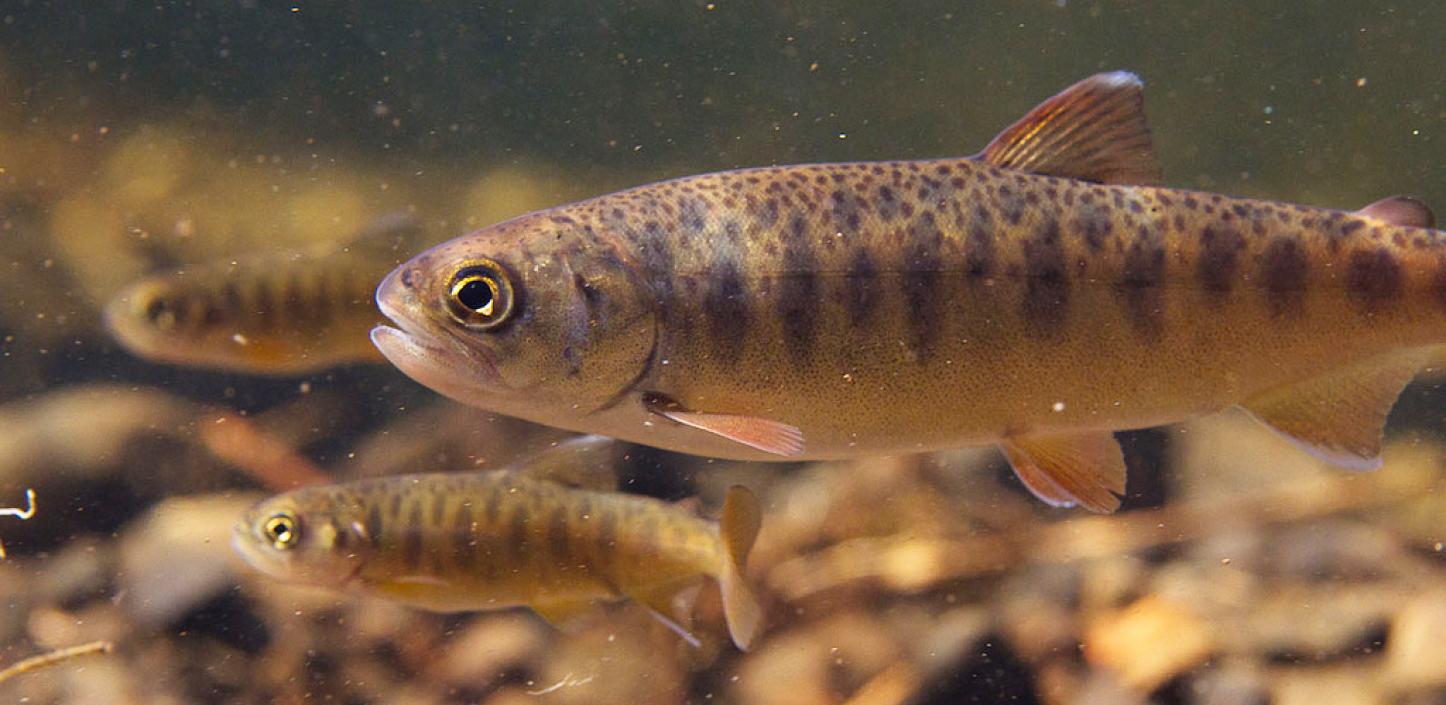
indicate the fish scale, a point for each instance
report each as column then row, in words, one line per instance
column 1039, row 296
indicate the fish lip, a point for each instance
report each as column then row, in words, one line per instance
column 424, row 347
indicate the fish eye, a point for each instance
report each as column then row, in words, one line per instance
column 160, row 314
column 480, row 295
column 281, row 530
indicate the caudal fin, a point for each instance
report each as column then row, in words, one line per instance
column 738, row 527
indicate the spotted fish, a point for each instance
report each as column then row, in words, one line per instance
column 277, row 313
column 548, row 534
column 1039, row 295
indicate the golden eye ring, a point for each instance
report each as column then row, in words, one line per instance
column 479, row 295
column 282, row 530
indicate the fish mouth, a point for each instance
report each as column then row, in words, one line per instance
column 434, row 356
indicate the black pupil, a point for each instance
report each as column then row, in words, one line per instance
column 475, row 295
column 154, row 310
column 281, row 530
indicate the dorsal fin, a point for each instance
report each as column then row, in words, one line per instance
column 1094, row 130
column 584, row 462
column 1401, row 210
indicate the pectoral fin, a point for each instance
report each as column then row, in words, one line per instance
column 584, row 462
column 765, row 435
column 1068, row 469
column 1339, row 417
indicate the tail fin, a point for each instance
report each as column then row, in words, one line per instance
column 738, row 527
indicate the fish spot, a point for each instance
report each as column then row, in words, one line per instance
column 1438, row 284
column 1140, row 287
column 1095, row 226
column 797, row 303
column 557, row 537
column 979, row 253
column 412, row 538
column 463, row 542
column 693, row 213
column 922, row 274
column 1218, row 261
column 1046, row 295
column 374, row 525
column 1285, row 269
column 1011, row 205
column 862, row 282
column 1374, row 278
column 727, row 311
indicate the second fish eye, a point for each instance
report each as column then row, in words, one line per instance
column 281, row 530
column 480, row 295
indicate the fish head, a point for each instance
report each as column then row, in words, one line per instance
column 536, row 317
column 180, row 319
column 153, row 317
column 315, row 536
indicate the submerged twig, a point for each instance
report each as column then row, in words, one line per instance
column 22, row 514
column 49, row 659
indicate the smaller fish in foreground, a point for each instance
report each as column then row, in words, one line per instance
column 270, row 313
column 549, row 533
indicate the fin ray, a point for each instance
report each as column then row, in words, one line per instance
column 738, row 528
column 583, row 462
column 1400, row 210
column 763, row 434
column 1094, row 130
column 1340, row 417
column 1064, row 469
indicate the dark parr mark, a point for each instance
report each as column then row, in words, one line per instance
column 412, row 541
column 1046, row 281
column 922, row 274
column 373, row 524
column 862, row 289
column 1011, row 204
column 463, row 542
column 1141, row 285
column 557, row 538
column 606, row 537
column 1374, row 278
column 979, row 256
column 655, row 252
column 693, row 214
column 1218, row 261
column 727, row 311
column 1095, row 226
column 797, row 304
column 1284, row 269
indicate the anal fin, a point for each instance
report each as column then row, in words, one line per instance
column 763, row 434
column 1340, row 417
column 1083, row 468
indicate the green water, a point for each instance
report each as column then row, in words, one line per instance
column 140, row 137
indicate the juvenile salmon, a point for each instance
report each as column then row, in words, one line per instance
column 276, row 313
column 1039, row 295
column 546, row 534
